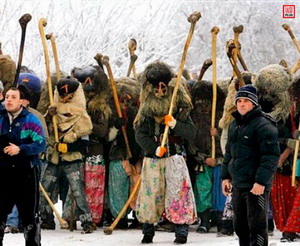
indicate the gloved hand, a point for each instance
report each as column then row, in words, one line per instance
column 160, row 151
column 119, row 122
column 61, row 147
column 52, row 110
column 170, row 121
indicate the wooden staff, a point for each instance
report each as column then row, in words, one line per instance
column 54, row 50
column 109, row 230
column 42, row 24
column 230, row 47
column 105, row 61
column 214, row 31
column 289, row 30
column 62, row 222
column 23, row 22
column 237, row 31
column 133, row 57
column 295, row 160
column 296, row 67
column 206, row 64
column 193, row 18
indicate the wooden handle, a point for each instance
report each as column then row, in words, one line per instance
column 193, row 18
column 54, row 50
column 105, row 61
column 215, row 30
column 62, row 222
column 110, row 229
column 42, row 24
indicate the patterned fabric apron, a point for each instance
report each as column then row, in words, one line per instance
column 165, row 184
column 118, row 187
column 95, row 185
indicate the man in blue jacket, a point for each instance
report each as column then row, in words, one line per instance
column 250, row 161
column 21, row 140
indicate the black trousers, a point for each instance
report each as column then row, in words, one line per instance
column 250, row 217
column 20, row 186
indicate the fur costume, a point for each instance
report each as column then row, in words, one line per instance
column 73, row 123
column 128, row 90
column 272, row 83
column 7, row 71
column 157, row 107
column 201, row 115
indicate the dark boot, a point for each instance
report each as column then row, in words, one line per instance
column 204, row 223
column 148, row 231
column 227, row 228
column 181, row 233
column 47, row 221
column 32, row 234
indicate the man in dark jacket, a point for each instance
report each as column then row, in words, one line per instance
column 21, row 138
column 251, row 158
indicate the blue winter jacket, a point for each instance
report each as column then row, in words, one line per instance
column 26, row 131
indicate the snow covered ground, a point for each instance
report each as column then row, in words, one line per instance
column 130, row 237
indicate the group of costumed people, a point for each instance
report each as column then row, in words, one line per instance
column 94, row 156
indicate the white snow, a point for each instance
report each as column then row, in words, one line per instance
column 128, row 238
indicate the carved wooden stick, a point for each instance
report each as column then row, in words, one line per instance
column 23, row 22
column 105, row 61
column 193, row 18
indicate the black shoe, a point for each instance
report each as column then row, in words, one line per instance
column 288, row 237
column 88, row 227
column 48, row 225
column 147, row 239
column 201, row 229
column 180, row 239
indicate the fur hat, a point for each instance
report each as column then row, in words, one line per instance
column 248, row 92
column 159, row 72
column 273, row 79
column 32, row 81
column 67, row 86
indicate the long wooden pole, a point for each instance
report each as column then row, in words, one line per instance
column 193, row 18
column 42, row 24
column 62, row 222
column 54, row 50
column 105, row 61
column 295, row 41
column 23, row 22
column 215, row 30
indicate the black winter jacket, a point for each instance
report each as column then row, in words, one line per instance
column 252, row 150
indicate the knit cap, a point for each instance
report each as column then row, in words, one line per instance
column 247, row 92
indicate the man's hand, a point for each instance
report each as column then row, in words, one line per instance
column 226, row 187
column 170, row 121
column 257, row 189
column 214, row 132
column 12, row 149
column 210, row 162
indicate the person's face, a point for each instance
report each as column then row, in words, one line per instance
column 13, row 102
column 244, row 106
column 67, row 98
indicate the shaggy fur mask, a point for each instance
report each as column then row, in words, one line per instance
column 155, row 97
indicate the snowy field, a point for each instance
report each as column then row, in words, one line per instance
column 130, row 237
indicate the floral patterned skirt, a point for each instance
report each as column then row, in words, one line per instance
column 166, row 185
column 94, row 185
